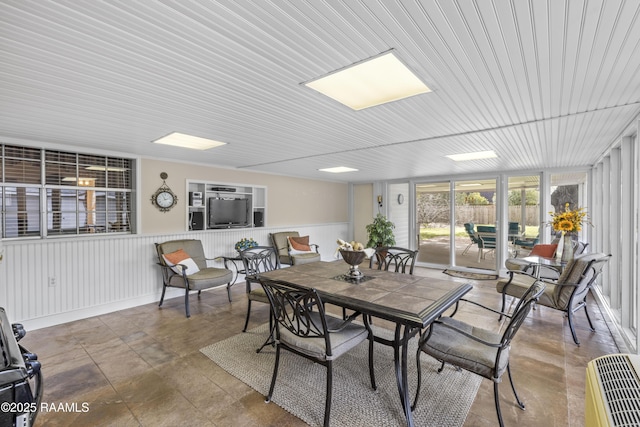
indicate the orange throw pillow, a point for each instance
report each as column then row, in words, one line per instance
column 177, row 256
column 299, row 244
column 544, row 250
column 183, row 258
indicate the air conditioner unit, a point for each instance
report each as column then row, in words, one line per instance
column 612, row 397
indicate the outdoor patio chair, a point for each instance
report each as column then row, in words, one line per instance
column 184, row 265
column 470, row 228
column 474, row 349
column 514, row 231
column 567, row 294
column 302, row 252
column 526, row 243
column 303, row 328
column 486, row 240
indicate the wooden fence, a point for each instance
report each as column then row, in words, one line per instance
column 486, row 214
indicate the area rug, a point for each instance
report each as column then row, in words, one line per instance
column 445, row 398
column 470, row 275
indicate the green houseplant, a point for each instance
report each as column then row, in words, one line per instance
column 380, row 232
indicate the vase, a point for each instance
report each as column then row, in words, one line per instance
column 567, row 248
column 353, row 258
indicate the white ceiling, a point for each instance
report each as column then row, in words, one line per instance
column 544, row 83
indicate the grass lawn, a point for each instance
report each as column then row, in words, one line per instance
column 432, row 232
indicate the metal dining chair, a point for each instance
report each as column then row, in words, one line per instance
column 303, row 328
column 256, row 260
column 393, row 258
column 474, row 349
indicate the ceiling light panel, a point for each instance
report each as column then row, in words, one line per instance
column 375, row 81
column 478, row 155
column 338, row 169
column 188, row 141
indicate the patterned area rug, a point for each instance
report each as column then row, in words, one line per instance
column 469, row 275
column 445, row 398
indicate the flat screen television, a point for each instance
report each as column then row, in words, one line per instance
column 225, row 213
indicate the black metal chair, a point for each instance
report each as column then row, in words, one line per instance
column 403, row 260
column 189, row 269
column 256, row 260
column 287, row 255
column 303, row 328
column 567, row 294
column 474, row 349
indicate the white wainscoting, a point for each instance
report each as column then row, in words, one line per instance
column 98, row 275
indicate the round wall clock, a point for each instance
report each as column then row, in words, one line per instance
column 400, row 199
column 164, row 199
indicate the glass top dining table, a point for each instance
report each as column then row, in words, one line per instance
column 538, row 263
column 410, row 302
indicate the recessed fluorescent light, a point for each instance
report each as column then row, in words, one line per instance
column 338, row 169
column 374, row 81
column 471, row 185
column 473, row 156
column 188, row 141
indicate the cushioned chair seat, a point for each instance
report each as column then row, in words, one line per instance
column 203, row 279
column 348, row 338
column 521, row 283
column 258, row 294
column 472, row 356
column 516, row 264
column 299, row 259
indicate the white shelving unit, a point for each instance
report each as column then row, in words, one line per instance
column 215, row 205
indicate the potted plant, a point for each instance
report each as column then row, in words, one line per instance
column 380, row 232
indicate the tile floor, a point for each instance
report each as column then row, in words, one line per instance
column 142, row 366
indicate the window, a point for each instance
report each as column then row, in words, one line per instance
column 52, row 193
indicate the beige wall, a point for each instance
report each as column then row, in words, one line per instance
column 362, row 211
column 290, row 201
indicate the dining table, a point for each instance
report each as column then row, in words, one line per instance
column 410, row 302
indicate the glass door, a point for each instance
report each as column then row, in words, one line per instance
column 462, row 233
column 523, row 201
column 433, row 223
column 476, row 235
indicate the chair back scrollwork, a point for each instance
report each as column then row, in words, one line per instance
column 393, row 258
column 259, row 259
column 297, row 309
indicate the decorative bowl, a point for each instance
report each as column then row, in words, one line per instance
column 353, row 258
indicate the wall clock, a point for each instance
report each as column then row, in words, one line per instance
column 400, row 199
column 164, row 198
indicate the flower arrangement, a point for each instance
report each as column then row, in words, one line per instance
column 245, row 243
column 568, row 221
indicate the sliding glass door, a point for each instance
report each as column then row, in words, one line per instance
column 448, row 214
column 433, row 222
column 474, row 224
column 476, row 233
column 523, row 215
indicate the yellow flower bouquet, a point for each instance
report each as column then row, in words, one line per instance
column 568, row 221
